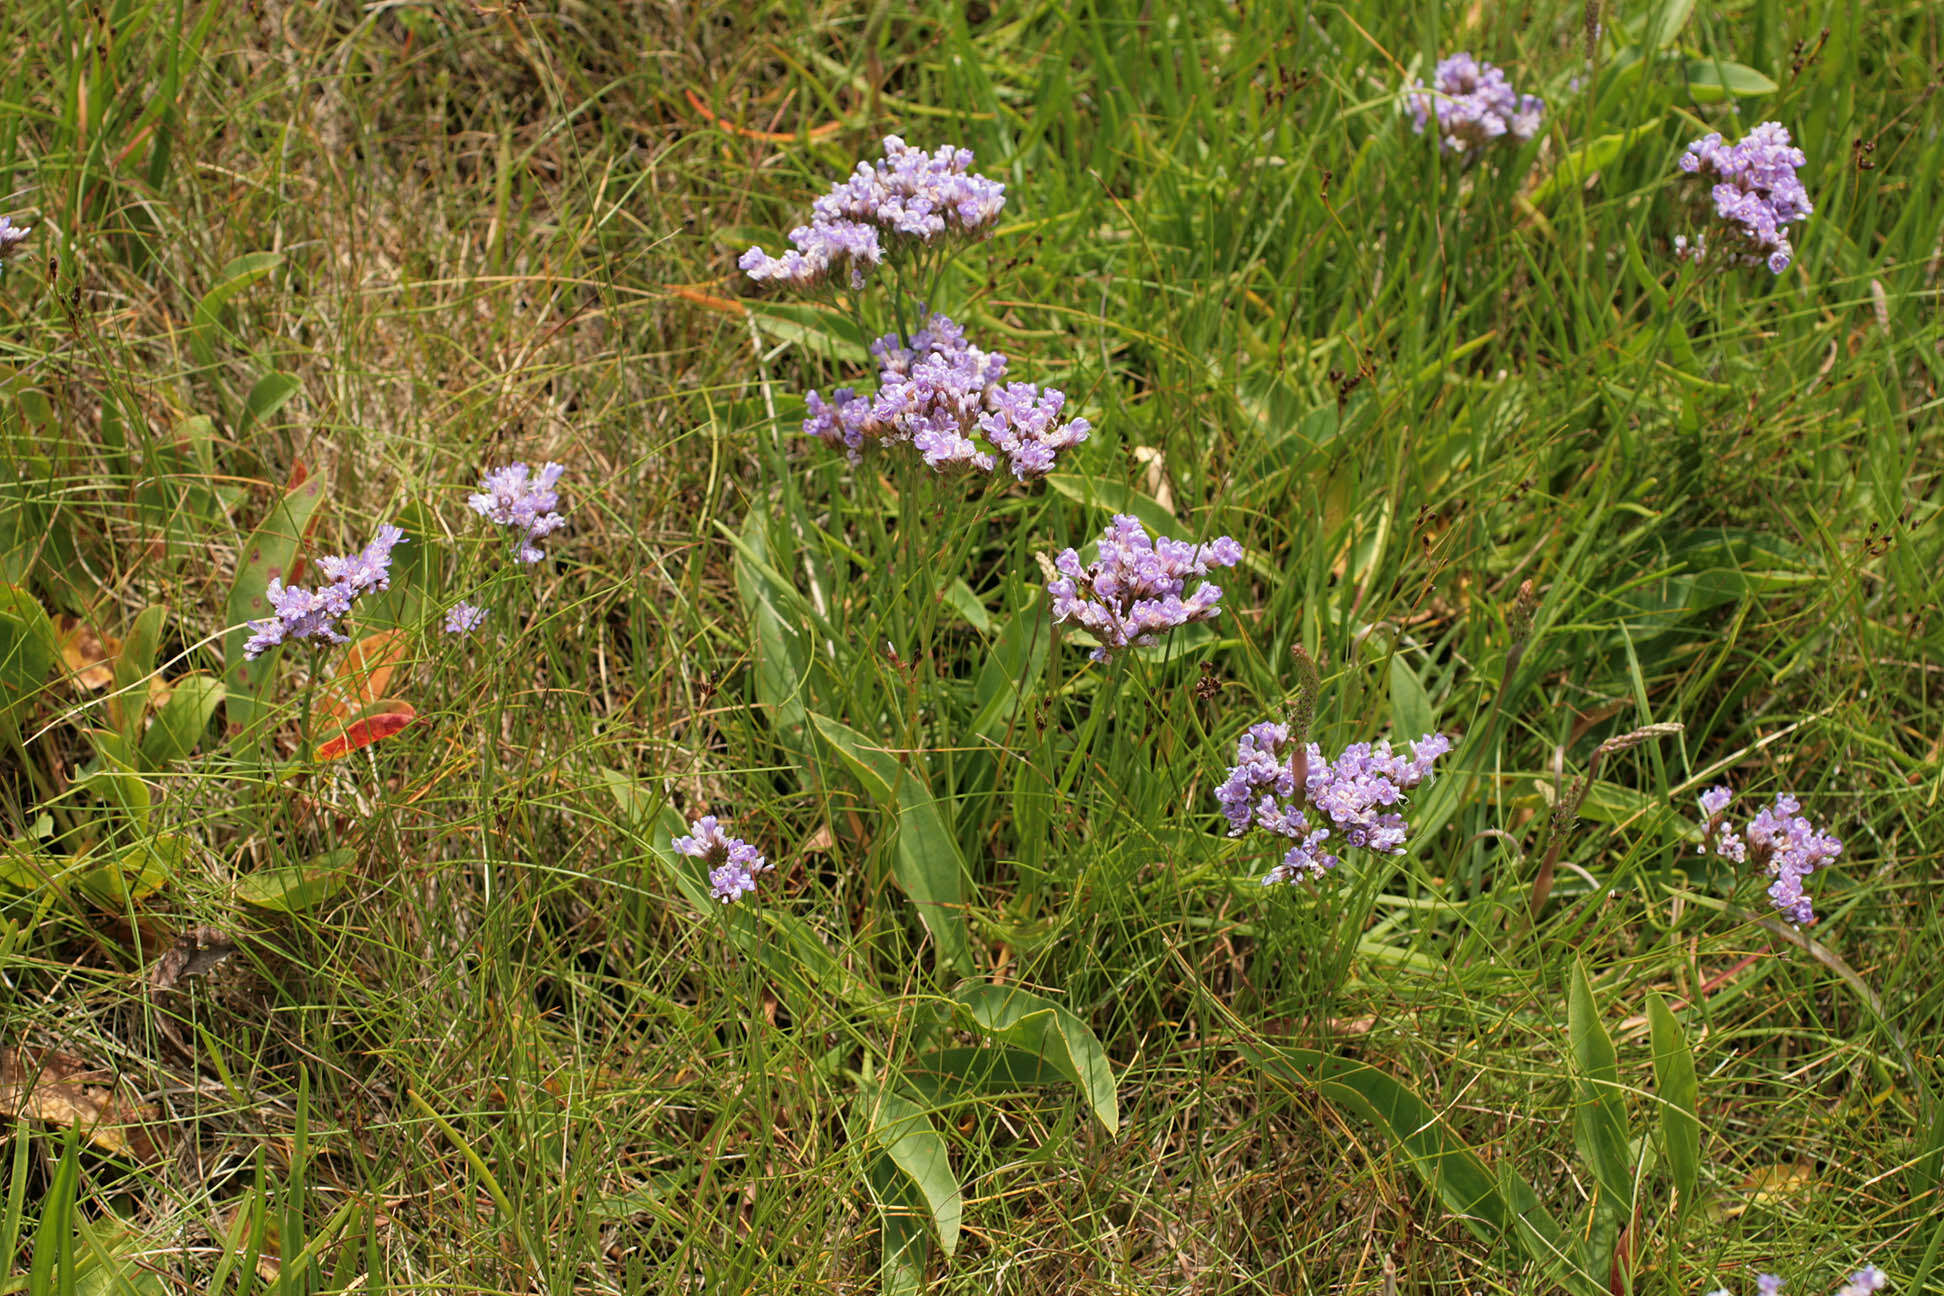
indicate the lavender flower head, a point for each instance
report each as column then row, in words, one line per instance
column 11, row 237
column 517, row 497
column 464, row 618
column 906, row 196
column 1356, row 793
column 1474, row 106
column 1863, row 1282
column 1757, row 194
column 1131, row 593
column 313, row 613
column 733, row 863
column 944, row 398
column 1779, row 841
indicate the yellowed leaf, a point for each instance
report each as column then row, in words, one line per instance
column 88, row 654
column 365, row 671
column 40, row 1084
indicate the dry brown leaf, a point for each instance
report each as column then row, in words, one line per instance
column 88, row 654
column 195, row 953
column 40, row 1084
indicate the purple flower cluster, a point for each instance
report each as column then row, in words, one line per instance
column 11, row 237
column 1778, row 840
column 1357, row 792
column 732, row 862
column 314, row 613
column 1864, row 1282
column 464, row 618
column 943, row 396
column 1474, row 105
column 517, row 497
column 906, row 195
column 1757, row 193
column 1132, row 592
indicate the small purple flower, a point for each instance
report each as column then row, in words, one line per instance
column 11, row 237
column 1768, row 1285
column 1779, row 841
column 1132, row 592
column 1864, row 1281
column 1474, row 106
column 1756, row 191
column 1357, row 793
column 942, row 396
column 464, row 618
column 733, row 863
column 907, row 196
column 517, row 497
column 314, row 613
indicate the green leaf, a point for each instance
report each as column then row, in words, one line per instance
column 777, row 618
column 133, row 666
column 182, row 720
column 1675, row 1086
column 901, row 1130
column 1600, row 1114
column 1115, row 497
column 1659, row 23
column 207, row 324
column 906, row 1241
column 1712, row 81
column 1412, row 715
column 270, row 394
column 1490, row 1206
column 1578, row 164
column 927, row 865
column 293, row 888
column 137, row 872
column 268, row 553
column 1009, row 1015
column 1013, row 669
column 28, row 650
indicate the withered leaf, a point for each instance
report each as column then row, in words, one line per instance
column 88, row 654
column 40, row 1084
column 194, row 953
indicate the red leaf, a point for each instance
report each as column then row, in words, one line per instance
column 366, row 731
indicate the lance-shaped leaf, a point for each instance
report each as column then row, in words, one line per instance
column 1599, row 1113
column 1677, row 1090
column 181, row 721
column 904, row 1133
column 1009, row 1015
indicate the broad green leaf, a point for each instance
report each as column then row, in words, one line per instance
column 1013, row 669
column 293, row 888
column 1116, row 497
column 114, row 778
column 903, row 1131
column 1008, row 1015
column 901, row 1222
column 1712, row 81
column 959, row 597
column 927, row 864
column 271, row 393
column 1658, row 23
column 1412, row 715
column 814, row 329
column 1678, row 1092
column 1580, row 163
column 182, row 720
column 777, row 618
column 138, row 872
column 268, row 553
column 1600, row 1114
column 28, row 650
column 1491, row 1206
column 207, row 326
column 133, row 666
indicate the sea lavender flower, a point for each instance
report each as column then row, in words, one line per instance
column 11, row 237
column 907, row 196
column 1757, row 194
column 943, row 397
column 1865, row 1281
column 517, row 497
column 1474, row 106
column 1779, row 841
column 464, row 618
column 1355, row 793
column 732, row 863
column 314, row 613
column 1132, row 592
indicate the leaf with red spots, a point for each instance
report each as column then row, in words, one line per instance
column 382, row 721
